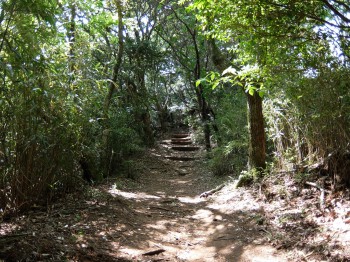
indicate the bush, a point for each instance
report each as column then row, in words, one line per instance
column 308, row 119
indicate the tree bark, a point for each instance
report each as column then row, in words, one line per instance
column 257, row 155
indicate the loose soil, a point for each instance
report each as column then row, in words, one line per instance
column 159, row 216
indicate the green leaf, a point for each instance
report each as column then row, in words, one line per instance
column 215, row 85
column 320, row 48
column 212, row 76
column 261, row 93
column 198, row 82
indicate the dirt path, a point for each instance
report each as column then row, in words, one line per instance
column 160, row 213
column 160, row 216
column 172, row 217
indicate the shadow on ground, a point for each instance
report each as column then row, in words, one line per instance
column 161, row 213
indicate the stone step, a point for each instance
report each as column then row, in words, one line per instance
column 187, row 138
column 182, row 143
column 180, row 135
column 180, row 158
column 185, row 148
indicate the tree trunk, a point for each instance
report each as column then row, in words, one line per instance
column 206, row 123
column 116, row 68
column 204, row 114
column 203, row 105
column 147, row 127
column 71, row 36
column 108, row 152
column 257, row 155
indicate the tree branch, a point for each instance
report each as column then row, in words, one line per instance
column 336, row 12
column 347, row 7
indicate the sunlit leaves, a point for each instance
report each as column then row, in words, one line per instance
column 43, row 10
column 102, row 21
column 268, row 33
column 249, row 78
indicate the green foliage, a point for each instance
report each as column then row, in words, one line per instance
column 249, row 78
column 306, row 106
column 307, row 119
column 247, row 177
column 51, row 101
column 129, row 169
column 57, row 61
column 264, row 32
column 123, row 135
column 221, row 163
column 244, row 179
column 231, row 155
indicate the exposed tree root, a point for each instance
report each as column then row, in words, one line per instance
column 210, row 192
column 154, row 252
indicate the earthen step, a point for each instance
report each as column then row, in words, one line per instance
column 180, row 158
column 181, row 139
column 183, row 143
column 185, row 148
column 184, row 135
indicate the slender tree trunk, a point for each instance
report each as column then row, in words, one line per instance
column 204, row 112
column 108, row 156
column 145, row 116
column 71, row 39
column 257, row 155
column 116, row 68
column 8, row 23
column 203, row 105
column 71, row 36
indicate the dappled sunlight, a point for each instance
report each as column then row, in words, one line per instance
column 130, row 195
column 164, row 211
column 130, row 251
column 161, row 193
column 8, row 228
column 188, row 227
column 191, row 200
column 192, row 131
column 203, row 214
column 198, row 255
column 158, row 225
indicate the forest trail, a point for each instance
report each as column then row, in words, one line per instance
column 161, row 217
column 175, row 221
